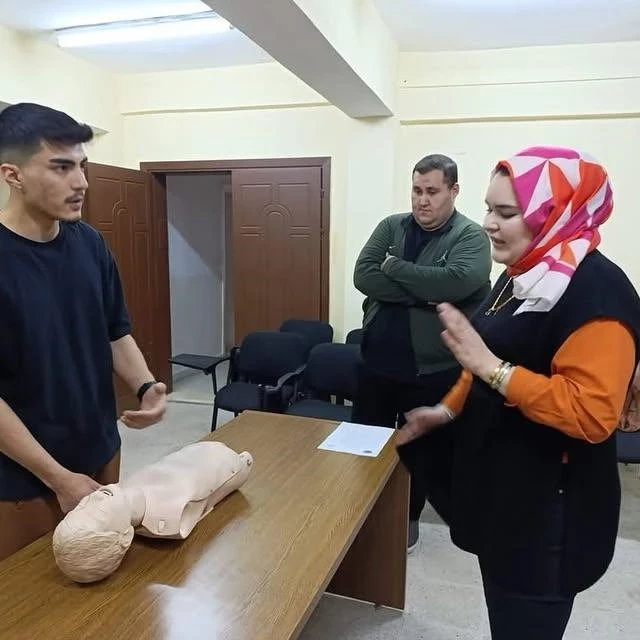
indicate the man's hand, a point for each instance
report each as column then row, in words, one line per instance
column 421, row 421
column 386, row 259
column 152, row 408
column 72, row 488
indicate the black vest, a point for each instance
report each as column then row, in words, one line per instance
column 508, row 470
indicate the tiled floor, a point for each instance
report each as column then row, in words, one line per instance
column 444, row 593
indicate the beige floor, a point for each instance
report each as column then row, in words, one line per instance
column 444, row 594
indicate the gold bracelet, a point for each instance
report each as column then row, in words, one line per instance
column 450, row 415
column 500, row 377
column 495, row 374
column 504, row 371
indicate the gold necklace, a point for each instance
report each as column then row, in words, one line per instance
column 495, row 307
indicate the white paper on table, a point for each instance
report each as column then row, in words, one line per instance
column 357, row 439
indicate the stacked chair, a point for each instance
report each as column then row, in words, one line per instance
column 263, row 372
column 297, row 370
column 313, row 331
column 354, row 336
column 329, row 380
column 628, row 446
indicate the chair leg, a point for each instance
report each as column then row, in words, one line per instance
column 214, row 417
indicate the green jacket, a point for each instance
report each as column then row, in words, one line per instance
column 454, row 267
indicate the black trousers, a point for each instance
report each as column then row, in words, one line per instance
column 544, row 610
column 383, row 401
column 514, row 616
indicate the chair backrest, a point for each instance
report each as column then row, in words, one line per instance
column 628, row 446
column 314, row 331
column 331, row 370
column 265, row 356
column 354, row 336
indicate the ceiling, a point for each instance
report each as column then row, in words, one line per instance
column 418, row 25
column 433, row 25
column 215, row 50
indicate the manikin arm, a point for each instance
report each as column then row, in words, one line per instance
column 183, row 487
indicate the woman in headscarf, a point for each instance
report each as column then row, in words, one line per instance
column 548, row 360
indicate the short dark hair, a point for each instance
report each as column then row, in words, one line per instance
column 25, row 126
column 437, row 161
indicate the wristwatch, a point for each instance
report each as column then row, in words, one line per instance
column 144, row 388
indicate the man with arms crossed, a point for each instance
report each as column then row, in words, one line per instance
column 64, row 329
column 412, row 262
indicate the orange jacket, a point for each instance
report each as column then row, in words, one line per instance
column 585, row 395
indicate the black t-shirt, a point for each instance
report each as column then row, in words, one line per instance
column 61, row 304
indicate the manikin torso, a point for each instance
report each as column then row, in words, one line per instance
column 168, row 498
column 165, row 499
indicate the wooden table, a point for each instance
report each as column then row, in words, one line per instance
column 307, row 521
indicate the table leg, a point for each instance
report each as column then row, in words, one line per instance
column 375, row 567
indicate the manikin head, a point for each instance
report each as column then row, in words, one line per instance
column 91, row 541
column 165, row 499
column 42, row 159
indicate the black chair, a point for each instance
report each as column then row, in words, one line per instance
column 263, row 372
column 331, row 371
column 628, row 446
column 314, row 331
column 206, row 364
column 354, row 337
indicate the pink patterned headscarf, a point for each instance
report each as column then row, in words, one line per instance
column 565, row 195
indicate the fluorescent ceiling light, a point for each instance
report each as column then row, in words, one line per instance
column 132, row 11
column 142, row 31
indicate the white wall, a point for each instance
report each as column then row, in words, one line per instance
column 477, row 146
column 371, row 157
column 262, row 133
column 196, row 262
column 479, row 107
column 474, row 106
column 359, row 34
column 36, row 71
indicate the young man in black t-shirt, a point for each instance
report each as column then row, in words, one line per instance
column 64, row 330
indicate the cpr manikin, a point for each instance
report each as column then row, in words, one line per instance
column 162, row 500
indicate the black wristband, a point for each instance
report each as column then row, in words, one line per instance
column 144, row 388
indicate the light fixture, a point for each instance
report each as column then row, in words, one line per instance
column 166, row 28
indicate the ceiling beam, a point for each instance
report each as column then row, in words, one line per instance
column 289, row 35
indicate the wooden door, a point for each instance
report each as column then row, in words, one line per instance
column 229, row 313
column 120, row 205
column 277, row 233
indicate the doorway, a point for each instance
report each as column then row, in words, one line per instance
column 278, row 265
column 199, row 292
column 274, row 263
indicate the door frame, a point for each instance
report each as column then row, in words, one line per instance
column 227, row 212
column 159, row 170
